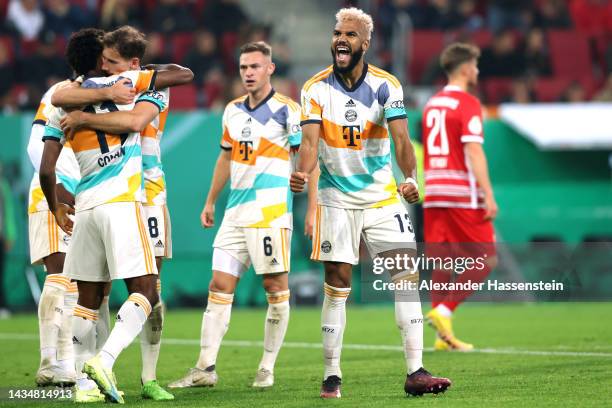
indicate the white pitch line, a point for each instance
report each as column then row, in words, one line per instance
column 349, row 346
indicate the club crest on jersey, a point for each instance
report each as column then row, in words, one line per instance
column 350, row 115
column 326, row 247
column 246, row 132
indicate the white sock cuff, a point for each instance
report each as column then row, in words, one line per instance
column 220, row 298
column 336, row 293
column 278, row 297
column 142, row 301
column 57, row 280
column 85, row 313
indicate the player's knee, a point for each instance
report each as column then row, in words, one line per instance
column 220, row 286
column 275, row 283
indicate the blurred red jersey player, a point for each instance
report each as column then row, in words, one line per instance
column 459, row 205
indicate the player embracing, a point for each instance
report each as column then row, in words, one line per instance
column 348, row 111
column 109, row 240
column 261, row 131
column 459, row 204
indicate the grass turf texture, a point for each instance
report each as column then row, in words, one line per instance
column 372, row 378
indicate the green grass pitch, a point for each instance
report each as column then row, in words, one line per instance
column 531, row 355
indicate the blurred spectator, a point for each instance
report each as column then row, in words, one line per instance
column 203, row 57
column 7, row 236
column 170, row 16
column 117, row 13
column 501, row 59
column 505, row 14
column 574, row 93
column 157, row 52
column 63, row 18
column 521, row 91
column 593, row 17
column 286, row 87
column 553, row 14
column 605, row 94
column 470, row 20
column 535, row 54
column 235, row 89
column 223, row 16
column 7, row 73
column 26, row 17
column 42, row 69
column 445, row 15
column 282, row 58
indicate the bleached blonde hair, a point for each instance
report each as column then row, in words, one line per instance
column 363, row 18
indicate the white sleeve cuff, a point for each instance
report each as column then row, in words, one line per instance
column 472, row 138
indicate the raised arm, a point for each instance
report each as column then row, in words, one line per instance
column 220, row 177
column 73, row 95
column 307, row 156
column 169, row 75
column 406, row 159
column 478, row 163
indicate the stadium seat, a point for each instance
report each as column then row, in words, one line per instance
column 183, row 97
column 180, row 44
column 9, row 45
column 229, row 42
column 496, row 89
column 482, row 38
column 550, row 89
column 569, row 53
column 424, row 46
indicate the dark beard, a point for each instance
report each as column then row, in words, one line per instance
column 355, row 58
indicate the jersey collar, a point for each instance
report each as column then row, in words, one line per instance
column 453, row 88
column 263, row 102
column 356, row 84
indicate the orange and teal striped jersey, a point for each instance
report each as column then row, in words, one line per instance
column 260, row 139
column 154, row 176
column 110, row 165
column 354, row 145
column 66, row 169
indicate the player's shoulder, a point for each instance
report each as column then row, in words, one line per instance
column 285, row 100
column 383, row 75
column 317, row 78
column 234, row 102
column 46, row 99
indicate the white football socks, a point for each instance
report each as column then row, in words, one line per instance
column 130, row 318
column 409, row 319
column 150, row 342
column 103, row 326
column 215, row 323
column 65, row 349
column 275, row 327
column 333, row 321
column 84, row 340
column 50, row 311
column 444, row 311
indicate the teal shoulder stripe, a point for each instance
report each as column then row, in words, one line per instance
column 110, row 171
column 393, row 112
column 154, row 101
column 150, row 162
column 295, row 139
column 53, row 132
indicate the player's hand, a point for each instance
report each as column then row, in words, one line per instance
column 122, row 92
column 409, row 191
column 297, row 181
column 62, row 218
column 309, row 223
column 72, row 122
column 490, row 207
column 207, row 217
column 63, row 195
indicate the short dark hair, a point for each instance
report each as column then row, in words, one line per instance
column 257, row 46
column 84, row 50
column 457, row 54
column 128, row 41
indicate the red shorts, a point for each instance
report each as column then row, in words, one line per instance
column 458, row 225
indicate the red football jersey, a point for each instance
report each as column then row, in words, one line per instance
column 451, row 118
